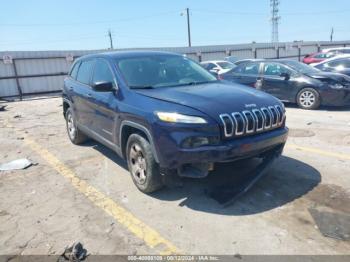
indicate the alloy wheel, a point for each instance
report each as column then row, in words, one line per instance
column 307, row 99
column 138, row 164
column 71, row 126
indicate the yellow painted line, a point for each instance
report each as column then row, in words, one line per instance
column 150, row 236
column 319, row 151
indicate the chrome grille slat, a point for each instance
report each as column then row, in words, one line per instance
column 252, row 121
column 238, row 132
column 248, row 122
column 267, row 113
column 282, row 116
column 274, row 116
column 227, row 134
column 258, row 124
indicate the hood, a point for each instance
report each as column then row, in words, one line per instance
column 330, row 77
column 213, row 99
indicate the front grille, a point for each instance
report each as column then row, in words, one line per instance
column 250, row 122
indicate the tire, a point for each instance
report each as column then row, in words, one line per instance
column 142, row 166
column 74, row 134
column 308, row 98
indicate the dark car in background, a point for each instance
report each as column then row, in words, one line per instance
column 338, row 64
column 294, row 82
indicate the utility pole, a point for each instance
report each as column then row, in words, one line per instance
column 331, row 36
column 188, row 27
column 275, row 18
column 110, row 39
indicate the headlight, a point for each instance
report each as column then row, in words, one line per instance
column 179, row 118
column 336, row 86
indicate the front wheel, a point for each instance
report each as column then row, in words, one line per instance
column 308, row 98
column 142, row 166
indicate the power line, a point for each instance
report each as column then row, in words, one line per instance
column 93, row 22
column 227, row 12
column 263, row 13
column 69, row 39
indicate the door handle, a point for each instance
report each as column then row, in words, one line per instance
column 89, row 95
column 71, row 88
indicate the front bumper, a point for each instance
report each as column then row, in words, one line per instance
column 333, row 97
column 172, row 156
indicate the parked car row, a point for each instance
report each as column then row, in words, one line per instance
column 295, row 82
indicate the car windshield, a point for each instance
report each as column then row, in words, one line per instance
column 301, row 68
column 153, row 71
column 226, row 65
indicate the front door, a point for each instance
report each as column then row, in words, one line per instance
column 105, row 103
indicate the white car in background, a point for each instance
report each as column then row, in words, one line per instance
column 337, row 50
column 218, row 66
column 337, row 64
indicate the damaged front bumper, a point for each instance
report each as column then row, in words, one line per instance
column 331, row 97
column 198, row 162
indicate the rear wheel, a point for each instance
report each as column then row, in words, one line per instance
column 308, row 98
column 142, row 166
column 74, row 134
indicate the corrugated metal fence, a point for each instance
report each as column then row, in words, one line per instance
column 41, row 72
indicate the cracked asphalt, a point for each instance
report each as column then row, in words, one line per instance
column 42, row 212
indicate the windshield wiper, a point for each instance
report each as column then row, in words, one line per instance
column 142, row 87
column 199, row 83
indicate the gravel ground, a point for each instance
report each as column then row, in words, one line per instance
column 41, row 212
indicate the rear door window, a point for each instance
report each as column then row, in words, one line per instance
column 275, row 69
column 247, row 69
column 84, row 72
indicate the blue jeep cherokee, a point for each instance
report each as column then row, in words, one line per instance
column 165, row 114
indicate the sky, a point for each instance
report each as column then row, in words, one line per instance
column 83, row 24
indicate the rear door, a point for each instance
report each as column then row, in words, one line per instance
column 105, row 104
column 245, row 73
column 274, row 83
column 82, row 93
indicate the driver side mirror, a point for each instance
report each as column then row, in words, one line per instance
column 286, row 76
column 103, row 86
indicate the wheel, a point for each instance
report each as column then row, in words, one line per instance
column 308, row 98
column 142, row 166
column 74, row 134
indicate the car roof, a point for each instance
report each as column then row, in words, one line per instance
column 265, row 60
column 215, row 61
column 128, row 54
column 335, row 49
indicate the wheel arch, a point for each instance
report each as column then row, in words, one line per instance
column 66, row 104
column 127, row 128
